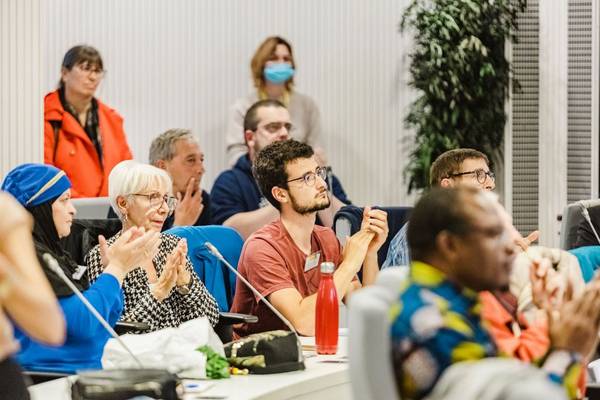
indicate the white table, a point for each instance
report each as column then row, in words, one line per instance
column 321, row 380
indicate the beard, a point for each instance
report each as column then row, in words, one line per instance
column 317, row 205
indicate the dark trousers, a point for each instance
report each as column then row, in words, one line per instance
column 12, row 385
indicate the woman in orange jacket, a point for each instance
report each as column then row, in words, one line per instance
column 82, row 136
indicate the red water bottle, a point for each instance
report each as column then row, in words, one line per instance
column 327, row 314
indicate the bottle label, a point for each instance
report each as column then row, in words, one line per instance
column 312, row 261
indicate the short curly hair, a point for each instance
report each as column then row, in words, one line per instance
column 269, row 165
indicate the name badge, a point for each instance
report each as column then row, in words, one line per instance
column 312, row 261
column 79, row 272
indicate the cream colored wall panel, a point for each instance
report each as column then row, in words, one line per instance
column 553, row 69
column 182, row 64
column 20, row 84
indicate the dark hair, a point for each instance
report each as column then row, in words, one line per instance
column 81, row 54
column 269, row 165
column 449, row 163
column 263, row 54
column 440, row 209
column 251, row 118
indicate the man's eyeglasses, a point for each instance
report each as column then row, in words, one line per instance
column 310, row 178
column 480, row 174
column 275, row 127
column 156, row 200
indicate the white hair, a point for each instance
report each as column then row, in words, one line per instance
column 131, row 177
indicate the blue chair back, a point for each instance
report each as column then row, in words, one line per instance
column 589, row 260
column 217, row 278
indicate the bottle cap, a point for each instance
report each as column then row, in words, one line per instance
column 327, row 267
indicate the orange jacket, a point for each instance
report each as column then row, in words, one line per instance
column 75, row 153
column 530, row 344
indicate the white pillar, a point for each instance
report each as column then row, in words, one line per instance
column 21, row 103
column 552, row 118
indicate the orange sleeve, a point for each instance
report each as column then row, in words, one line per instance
column 48, row 143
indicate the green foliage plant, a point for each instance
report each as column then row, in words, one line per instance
column 462, row 77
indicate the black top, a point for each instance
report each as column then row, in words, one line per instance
column 585, row 234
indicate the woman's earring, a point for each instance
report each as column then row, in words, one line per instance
column 124, row 217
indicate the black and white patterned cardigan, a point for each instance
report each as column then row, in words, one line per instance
column 141, row 306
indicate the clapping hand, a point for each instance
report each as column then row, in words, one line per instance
column 131, row 249
column 375, row 221
column 574, row 325
column 547, row 289
column 183, row 275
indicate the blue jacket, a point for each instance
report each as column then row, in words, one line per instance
column 236, row 191
column 86, row 338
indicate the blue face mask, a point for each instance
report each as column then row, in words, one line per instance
column 278, row 73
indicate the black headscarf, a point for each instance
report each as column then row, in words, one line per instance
column 46, row 240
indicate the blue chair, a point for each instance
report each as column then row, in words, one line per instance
column 217, row 278
column 589, row 260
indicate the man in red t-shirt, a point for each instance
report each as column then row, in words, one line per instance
column 282, row 259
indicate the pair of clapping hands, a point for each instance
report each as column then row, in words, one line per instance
column 136, row 247
column 573, row 319
column 369, row 239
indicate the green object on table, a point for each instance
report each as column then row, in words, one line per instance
column 217, row 366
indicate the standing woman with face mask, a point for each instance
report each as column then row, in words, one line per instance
column 273, row 68
column 83, row 136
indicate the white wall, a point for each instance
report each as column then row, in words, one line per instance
column 182, row 63
column 20, row 82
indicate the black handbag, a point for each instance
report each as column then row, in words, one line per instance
column 269, row 352
column 123, row 384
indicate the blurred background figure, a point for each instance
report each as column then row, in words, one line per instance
column 25, row 296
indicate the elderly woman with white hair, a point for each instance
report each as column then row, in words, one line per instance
column 164, row 291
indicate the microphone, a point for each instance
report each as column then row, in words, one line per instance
column 586, row 215
column 218, row 254
column 53, row 265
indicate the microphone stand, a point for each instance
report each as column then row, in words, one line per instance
column 219, row 256
column 53, row 265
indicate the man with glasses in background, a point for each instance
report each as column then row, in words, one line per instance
column 236, row 198
column 282, row 259
column 451, row 169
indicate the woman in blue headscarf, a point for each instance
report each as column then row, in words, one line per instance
column 45, row 192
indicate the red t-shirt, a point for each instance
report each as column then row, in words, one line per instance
column 271, row 261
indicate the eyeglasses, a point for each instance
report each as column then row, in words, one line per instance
column 275, row 127
column 156, row 200
column 311, row 177
column 480, row 174
column 89, row 69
